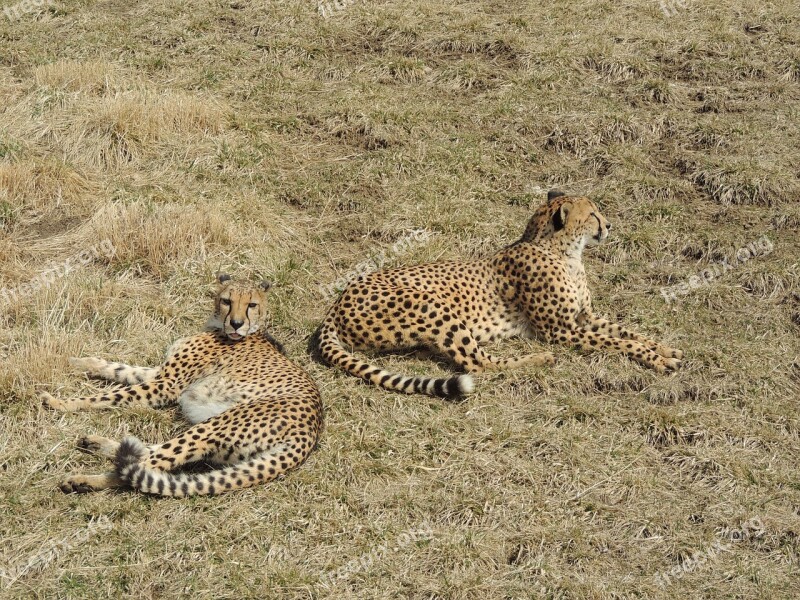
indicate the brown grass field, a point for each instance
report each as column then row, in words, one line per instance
column 263, row 139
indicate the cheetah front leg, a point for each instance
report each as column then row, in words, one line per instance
column 592, row 340
column 156, row 394
column 114, row 371
column 97, row 444
column 603, row 326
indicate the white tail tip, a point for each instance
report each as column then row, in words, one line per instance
column 465, row 384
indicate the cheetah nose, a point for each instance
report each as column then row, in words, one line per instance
column 608, row 226
column 236, row 324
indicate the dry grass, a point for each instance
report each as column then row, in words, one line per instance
column 262, row 139
column 87, row 76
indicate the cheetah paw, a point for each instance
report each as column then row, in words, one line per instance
column 75, row 485
column 667, row 364
column 97, row 444
column 90, row 443
column 53, row 402
column 668, row 352
column 547, row 358
column 89, row 364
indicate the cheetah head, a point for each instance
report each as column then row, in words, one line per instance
column 239, row 308
column 573, row 218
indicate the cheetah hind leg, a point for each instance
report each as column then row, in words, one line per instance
column 248, row 438
column 536, row 360
column 256, row 468
column 458, row 343
column 82, row 484
column 97, row 444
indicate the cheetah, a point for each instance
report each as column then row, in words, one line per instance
column 253, row 412
column 535, row 287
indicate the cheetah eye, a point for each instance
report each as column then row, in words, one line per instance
column 225, row 301
column 252, row 305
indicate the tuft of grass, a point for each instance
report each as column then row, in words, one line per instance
column 90, row 77
column 160, row 238
column 739, row 181
column 41, row 185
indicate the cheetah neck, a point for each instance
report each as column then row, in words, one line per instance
column 570, row 249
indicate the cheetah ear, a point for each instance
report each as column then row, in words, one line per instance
column 223, row 277
column 560, row 217
column 552, row 194
column 265, row 285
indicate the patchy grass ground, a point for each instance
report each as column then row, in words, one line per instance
column 262, row 138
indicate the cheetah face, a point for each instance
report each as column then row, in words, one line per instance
column 239, row 309
column 585, row 220
column 573, row 217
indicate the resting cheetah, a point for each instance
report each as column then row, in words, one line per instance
column 253, row 410
column 535, row 286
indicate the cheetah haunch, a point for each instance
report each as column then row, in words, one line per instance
column 534, row 287
column 255, row 413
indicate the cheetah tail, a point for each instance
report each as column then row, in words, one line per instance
column 136, row 474
column 332, row 351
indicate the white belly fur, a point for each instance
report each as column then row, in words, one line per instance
column 208, row 398
column 196, row 411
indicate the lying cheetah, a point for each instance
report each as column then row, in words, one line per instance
column 536, row 286
column 253, row 410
